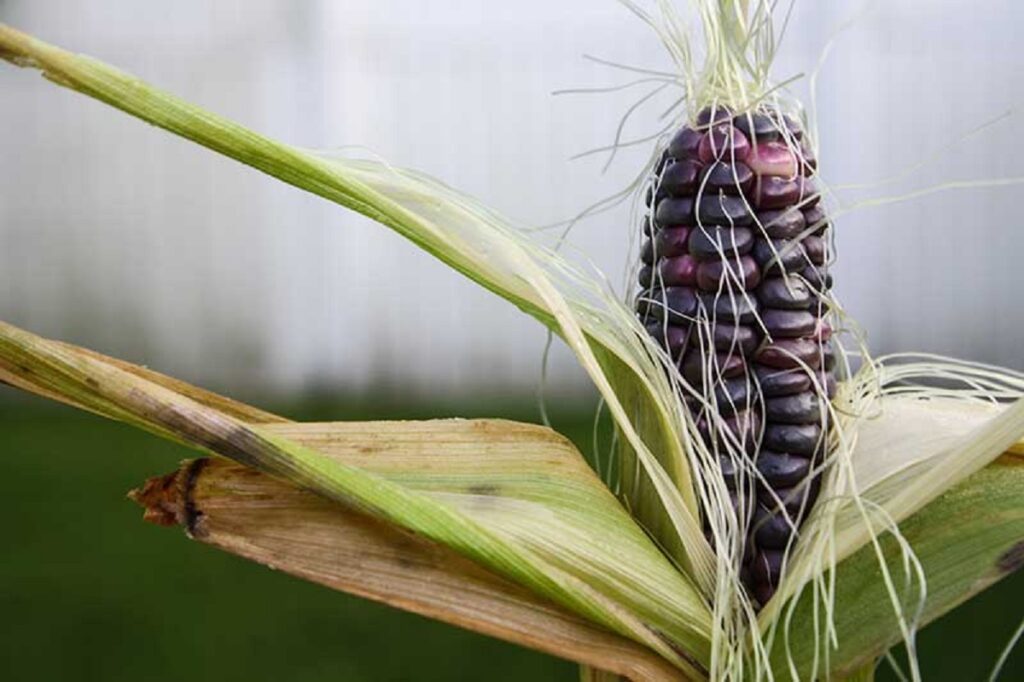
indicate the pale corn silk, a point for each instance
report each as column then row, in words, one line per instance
column 887, row 455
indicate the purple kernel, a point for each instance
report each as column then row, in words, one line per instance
column 725, row 365
column 773, row 159
column 730, row 307
column 672, row 241
column 757, row 127
column 801, row 408
column 715, row 274
column 725, row 143
column 685, row 143
column 781, row 470
column 713, row 115
column 772, row 530
column 779, row 253
column 731, row 178
column 677, row 305
column 775, row 382
column 678, row 271
column 781, row 323
column 680, row 178
column 775, row 192
column 724, row 209
column 674, row 211
column 782, row 224
column 671, row 338
column 710, row 243
column 795, row 439
column 789, row 354
column 734, row 338
column 787, row 293
column 817, row 250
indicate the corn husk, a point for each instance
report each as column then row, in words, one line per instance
column 253, row 515
column 518, row 499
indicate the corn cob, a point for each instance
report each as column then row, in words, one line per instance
column 734, row 287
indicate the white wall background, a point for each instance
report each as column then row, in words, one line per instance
column 120, row 237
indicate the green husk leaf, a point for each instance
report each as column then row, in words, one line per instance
column 966, row 539
column 473, row 240
column 526, row 507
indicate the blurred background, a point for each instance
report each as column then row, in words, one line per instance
column 124, row 239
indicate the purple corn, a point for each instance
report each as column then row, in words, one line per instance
column 734, row 287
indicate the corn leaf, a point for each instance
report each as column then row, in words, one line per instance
column 518, row 499
column 245, row 512
column 966, row 539
column 473, row 240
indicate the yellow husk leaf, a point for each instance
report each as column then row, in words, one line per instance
column 524, row 505
column 242, row 511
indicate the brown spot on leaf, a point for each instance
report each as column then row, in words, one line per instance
column 483, row 489
column 193, row 516
column 1012, row 559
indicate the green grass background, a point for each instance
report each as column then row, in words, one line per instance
column 89, row 592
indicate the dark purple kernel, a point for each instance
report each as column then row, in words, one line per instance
column 770, row 255
column 646, row 276
column 650, row 196
column 789, row 354
column 725, row 365
column 678, row 271
column 763, row 593
column 647, row 252
column 766, row 567
column 796, row 500
column 816, row 249
column 802, row 408
column 685, row 143
column 725, row 273
column 672, row 241
column 709, row 242
column 648, row 226
column 676, row 304
column 733, row 394
column 713, row 115
column 743, row 429
column 678, row 211
column 725, row 143
column 790, row 293
column 782, row 470
column 796, row 439
column 782, row 224
column 680, row 178
column 734, row 338
column 788, row 323
column 757, row 126
column 809, row 193
column 776, row 192
column 775, row 382
column 670, row 337
column 724, row 209
column 816, row 219
column 730, row 307
column 727, row 177
column 819, row 278
column 772, row 530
